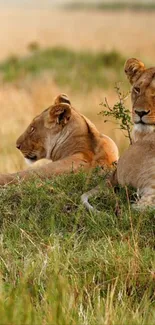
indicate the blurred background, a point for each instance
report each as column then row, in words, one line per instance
column 78, row 48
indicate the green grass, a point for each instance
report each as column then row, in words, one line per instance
column 116, row 6
column 60, row 265
column 78, row 70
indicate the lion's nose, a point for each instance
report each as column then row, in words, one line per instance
column 18, row 146
column 141, row 113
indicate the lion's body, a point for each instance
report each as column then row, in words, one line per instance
column 137, row 163
column 66, row 137
column 136, row 167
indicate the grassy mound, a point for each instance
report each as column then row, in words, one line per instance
column 61, row 265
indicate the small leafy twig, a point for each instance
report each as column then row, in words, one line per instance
column 119, row 112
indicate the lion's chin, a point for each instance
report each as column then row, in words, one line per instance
column 29, row 161
column 142, row 127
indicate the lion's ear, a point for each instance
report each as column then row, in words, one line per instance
column 62, row 99
column 61, row 113
column 133, row 69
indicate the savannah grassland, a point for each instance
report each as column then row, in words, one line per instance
column 60, row 265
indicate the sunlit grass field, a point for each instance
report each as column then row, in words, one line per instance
column 60, row 265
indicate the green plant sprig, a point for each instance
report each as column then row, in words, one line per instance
column 119, row 112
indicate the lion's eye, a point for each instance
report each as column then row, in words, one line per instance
column 32, row 129
column 136, row 90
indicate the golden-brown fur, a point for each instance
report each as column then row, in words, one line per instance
column 66, row 137
column 136, row 166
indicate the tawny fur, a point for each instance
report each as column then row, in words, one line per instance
column 65, row 137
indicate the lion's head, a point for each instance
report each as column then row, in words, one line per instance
column 142, row 96
column 40, row 138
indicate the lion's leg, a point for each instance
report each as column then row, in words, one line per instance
column 146, row 201
column 67, row 165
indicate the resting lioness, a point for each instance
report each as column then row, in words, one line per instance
column 136, row 167
column 66, row 137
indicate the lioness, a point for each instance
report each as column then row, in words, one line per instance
column 136, row 167
column 66, row 137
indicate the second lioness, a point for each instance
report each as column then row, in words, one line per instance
column 136, row 166
column 65, row 137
